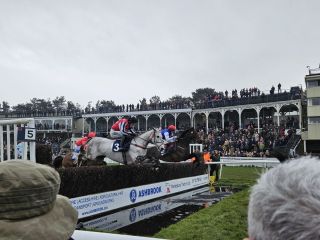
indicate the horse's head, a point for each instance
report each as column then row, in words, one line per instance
column 152, row 136
column 157, row 137
column 188, row 136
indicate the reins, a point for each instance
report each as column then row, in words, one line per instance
column 147, row 141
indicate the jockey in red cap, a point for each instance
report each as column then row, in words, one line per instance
column 167, row 134
column 123, row 129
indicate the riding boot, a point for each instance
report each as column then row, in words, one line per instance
column 122, row 143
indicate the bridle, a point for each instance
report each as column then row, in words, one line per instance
column 149, row 140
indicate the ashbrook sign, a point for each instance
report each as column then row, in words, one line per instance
column 102, row 202
column 132, row 215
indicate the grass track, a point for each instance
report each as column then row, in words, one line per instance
column 226, row 220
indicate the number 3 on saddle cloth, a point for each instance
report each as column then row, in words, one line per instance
column 116, row 147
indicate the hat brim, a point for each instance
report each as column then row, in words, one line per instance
column 58, row 223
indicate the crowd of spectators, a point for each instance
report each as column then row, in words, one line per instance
column 216, row 99
column 165, row 105
column 248, row 96
column 246, row 142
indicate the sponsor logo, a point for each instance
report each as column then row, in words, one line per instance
column 149, row 191
column 133, row 195
column 149, row 210
column 133, row 215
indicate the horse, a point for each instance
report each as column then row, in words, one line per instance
column 179, row 152
column 98, row 148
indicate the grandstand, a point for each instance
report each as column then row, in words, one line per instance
column 251, row 122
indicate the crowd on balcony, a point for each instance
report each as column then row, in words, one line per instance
column 201, row 98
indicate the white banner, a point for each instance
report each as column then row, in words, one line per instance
column 102, row 202
column 132, row 215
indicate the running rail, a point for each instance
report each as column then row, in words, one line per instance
column 242, row 161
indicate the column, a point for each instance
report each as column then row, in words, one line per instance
column 191, row 120
column 278, row 111
column 207, row 121
column 146, row 116
column 222, row 118
column 161, row 116
column 107, row 120
column 258, row 118
column 240, row 111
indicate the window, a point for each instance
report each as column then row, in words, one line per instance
column 314, row 120
column 314, row 101
column 313, row 83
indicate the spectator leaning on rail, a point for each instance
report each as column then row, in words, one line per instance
column 285, row 203
column 123, row 129
column 167, row 134
column 30, row 206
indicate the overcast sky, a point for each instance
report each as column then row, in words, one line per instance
column 124, row 50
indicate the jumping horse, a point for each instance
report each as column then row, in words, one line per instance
column 98, row 148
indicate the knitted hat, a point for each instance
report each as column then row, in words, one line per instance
column 30, row 207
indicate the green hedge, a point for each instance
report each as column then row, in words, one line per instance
column 83, row 181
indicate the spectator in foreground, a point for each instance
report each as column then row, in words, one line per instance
column 30, row 206
column 285, row 203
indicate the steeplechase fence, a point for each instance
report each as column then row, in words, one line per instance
column 14, row 130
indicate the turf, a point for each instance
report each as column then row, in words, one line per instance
column 226, row 220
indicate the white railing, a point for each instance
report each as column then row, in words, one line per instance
column 6, row 127
column 195, row 147
column 243, row 161
column 85, row 235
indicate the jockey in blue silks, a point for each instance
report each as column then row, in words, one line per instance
column 167, row 134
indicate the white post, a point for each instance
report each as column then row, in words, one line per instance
column 15, row 136
column 32, row 144
column 1, row 145
column 8, row 143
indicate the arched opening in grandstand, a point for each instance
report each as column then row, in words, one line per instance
column 167, row 120
column 101, row 126
column 153, row 121
column 215, row 120
column 141, row 124
column 249, row 117
column 111, row 121
column 183, row 121
column 69, row 124
column 231, row 119
column 267, row 116
column 199, row 121
column 47, row 124
column 89, row 125
column 289, row 116
column 59, row 124
column 38, row 125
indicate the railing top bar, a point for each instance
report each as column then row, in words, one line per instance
column 16, row 121
column 243, row 162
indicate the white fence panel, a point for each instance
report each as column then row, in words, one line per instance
column 195, row 147
column 11, row 126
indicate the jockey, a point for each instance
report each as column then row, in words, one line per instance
column 81, row 143
column 123, row 129
column 167, row 134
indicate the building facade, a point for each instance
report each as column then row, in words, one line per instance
column 311, row 135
